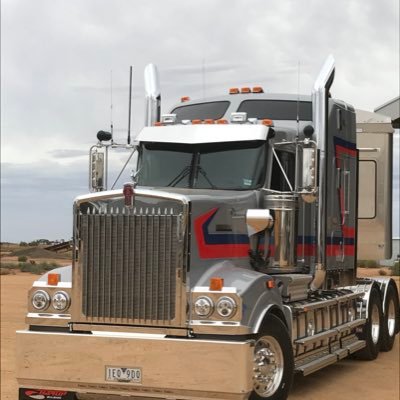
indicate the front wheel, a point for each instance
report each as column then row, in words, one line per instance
column 273, row 361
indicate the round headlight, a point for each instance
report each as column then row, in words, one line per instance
column 226, row 307
column 203, row 306
column 60, row 301
column 40, row 300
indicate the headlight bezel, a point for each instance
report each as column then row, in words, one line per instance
column 67, row 301
column 208, row 300
column 228, row 300
column 47, row 300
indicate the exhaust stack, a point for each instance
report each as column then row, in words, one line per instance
column 153, row 95
column 320, row 118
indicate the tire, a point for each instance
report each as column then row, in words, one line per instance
column 372, row 330
column 273, row 361
column 390, row 319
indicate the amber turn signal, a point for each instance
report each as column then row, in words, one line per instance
column 216, row 283
column 53, row 279
column 270, row 284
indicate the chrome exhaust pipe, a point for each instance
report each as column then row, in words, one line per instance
column 153, row 95
column 320, row 118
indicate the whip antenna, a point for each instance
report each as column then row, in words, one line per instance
column 111, row 107
column 130, row 105
column 298, row 98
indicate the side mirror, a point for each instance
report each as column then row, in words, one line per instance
column 258, row 220
column 97, row 171
column 309, row 178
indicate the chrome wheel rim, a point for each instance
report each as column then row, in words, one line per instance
column 268, row 366
column 375, row 324
column 391, row 318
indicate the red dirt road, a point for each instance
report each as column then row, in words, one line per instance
column 346, row 380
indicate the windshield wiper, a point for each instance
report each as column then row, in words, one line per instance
column 185, row 172
column 201, row 170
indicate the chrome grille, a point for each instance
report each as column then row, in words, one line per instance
column 129, row 264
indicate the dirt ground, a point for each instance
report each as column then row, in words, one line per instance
column 346, row 380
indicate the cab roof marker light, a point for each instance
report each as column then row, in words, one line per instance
column 158, row 124
column 209, row 121
column 234, row 90
column 245, row 90
column 168, row 119
column 221, row 121
column 185, row 98
column 238, row 117
column 267, row 122
column 258, row 89
column 196, row 121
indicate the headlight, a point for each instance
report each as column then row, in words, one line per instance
column 203, row 306
column 40, row 300
column 60, row 301
column 226, row 307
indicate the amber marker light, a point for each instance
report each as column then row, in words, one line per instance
column 222, row 121
column 258, row 89
column 158, row 124
column 196, row 121
column 53, row 279
column 185, row 98
column 208, row 121
column 216, row 283
column 234, row 90
column 270, row 284
column 267, row 122
column 245, row 90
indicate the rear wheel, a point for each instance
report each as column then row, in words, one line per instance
column 372, row 330
column 390, row 319
column 273, row 361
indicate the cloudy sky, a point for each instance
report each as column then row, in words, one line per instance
column 57, row 57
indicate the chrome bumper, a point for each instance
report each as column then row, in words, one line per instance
column 171, row 368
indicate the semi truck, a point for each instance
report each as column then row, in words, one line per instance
column 228, row 263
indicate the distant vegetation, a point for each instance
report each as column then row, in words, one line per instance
column 32, row 267
column 26, row 257
column 367, row 264
column 396, row 268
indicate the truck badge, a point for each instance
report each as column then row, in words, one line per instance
column 129, row 194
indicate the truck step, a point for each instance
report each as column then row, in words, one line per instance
column 316, row 364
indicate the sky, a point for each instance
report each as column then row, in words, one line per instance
column 60, row 58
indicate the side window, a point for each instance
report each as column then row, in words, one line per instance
column 367, row 189
column 278, row 181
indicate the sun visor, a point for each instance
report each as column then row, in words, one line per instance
column 193, row 134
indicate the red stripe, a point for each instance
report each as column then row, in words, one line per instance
column 216, row 250
column 346, row 150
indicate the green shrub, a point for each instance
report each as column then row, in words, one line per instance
column 7, row 271
column 367, row 264
column 22, row 258
column 9, row 265
column 396, row 268
column 382, row 271
column 37, row 268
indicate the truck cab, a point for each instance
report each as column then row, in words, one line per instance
column 226, row 266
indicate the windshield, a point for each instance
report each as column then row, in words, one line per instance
column 211, row 110
column 228, row 165
column 277, row 109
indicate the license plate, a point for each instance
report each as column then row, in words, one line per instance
column 123, row 374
